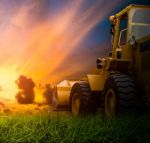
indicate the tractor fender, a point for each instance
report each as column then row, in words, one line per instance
column 96, row 82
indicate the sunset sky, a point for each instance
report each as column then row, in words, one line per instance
column 52, row 40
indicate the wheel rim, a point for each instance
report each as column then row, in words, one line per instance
column 75, row 104
column 110, row 103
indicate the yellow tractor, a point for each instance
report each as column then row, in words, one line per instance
column 124, row 76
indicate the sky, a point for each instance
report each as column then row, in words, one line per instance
column 53, row 40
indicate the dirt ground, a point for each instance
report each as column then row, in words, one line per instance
column 12, row 107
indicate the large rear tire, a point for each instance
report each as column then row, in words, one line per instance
column 120, row 95
column 81, row 102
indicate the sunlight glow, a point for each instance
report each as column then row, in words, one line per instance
column 40, row 46
column 8, row 75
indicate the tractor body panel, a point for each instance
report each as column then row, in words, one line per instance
column 96, row 82
column 142, row 67
column 63, row 95
column 63, row 92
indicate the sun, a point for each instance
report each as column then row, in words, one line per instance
column 8, row 88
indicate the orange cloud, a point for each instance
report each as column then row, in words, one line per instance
column 38, row 48
column 51, row 41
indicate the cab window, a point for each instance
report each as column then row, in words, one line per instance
column 123, row 30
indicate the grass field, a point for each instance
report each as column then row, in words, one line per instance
column 56, row 128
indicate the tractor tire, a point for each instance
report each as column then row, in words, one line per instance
column 120, row 95
column 81, row 102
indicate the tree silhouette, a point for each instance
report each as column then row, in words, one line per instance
column 25, row 95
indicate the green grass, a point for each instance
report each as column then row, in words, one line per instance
column 66, row 129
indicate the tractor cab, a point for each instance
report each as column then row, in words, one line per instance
column 129, row 25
